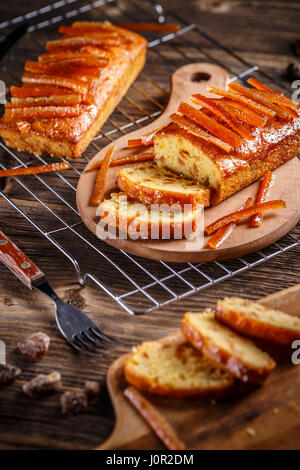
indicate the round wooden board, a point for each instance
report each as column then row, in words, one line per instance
column 244, row 239
column 193, row 418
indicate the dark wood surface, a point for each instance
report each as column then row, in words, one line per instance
column 260, row 32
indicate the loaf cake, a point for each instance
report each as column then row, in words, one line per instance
column 139, row 221
column 232, row 140
column 176, row 371
column 152, row 185
column 253, row 319
column 239, row 355
column 69, row 93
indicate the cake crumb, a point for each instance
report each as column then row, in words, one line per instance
column 251, row 432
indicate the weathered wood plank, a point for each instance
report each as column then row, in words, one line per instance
column 261, row 32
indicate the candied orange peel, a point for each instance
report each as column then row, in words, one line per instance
column 248, row 212
column 25, row 92
column 248, row 102
column 98, row 193
column 60, row 100
column 220, row 131
column 64, row 82
column 274, row 95
column 219, row 237
column 192, row 128
column 263, row 196
column 242, row 112
column 42, row 112
column 141, row 157
column 147, row 139
column 258, row 96
column 171, row 28
column 34, row 170
column 74, row 42
column 214, row 107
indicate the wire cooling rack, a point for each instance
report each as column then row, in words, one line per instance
column 48, row 201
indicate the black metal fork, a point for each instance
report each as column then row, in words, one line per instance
column 75, row 326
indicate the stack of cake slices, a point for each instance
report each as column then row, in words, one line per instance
column 214, row 352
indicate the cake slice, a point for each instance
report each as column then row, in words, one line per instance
column 141, row 221
column 258, row 321
column 221, row 344
column 152, row 185
column 176, row 371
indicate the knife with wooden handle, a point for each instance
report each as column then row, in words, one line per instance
column 19, row 263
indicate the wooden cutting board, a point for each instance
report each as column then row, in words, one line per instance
column 272, row 410
column 185, row 82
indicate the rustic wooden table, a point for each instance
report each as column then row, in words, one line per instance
column 261, row 32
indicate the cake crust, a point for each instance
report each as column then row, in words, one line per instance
column 232, row 361
column 258, row 321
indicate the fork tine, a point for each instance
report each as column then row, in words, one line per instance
column 97, row 332
column 95, row 340
column 91, row 345
column 75, row 345
column 92, row 351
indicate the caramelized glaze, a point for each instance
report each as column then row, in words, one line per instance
column 90, row 60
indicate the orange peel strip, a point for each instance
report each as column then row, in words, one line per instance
column 243, row 113
column 62, row 100
column 25, row 92
column 155, row 419
column 124, row 160
column 225, row 134
column 85, row 27
column 98, row 193
column 85, row 52
column 80, row 41
column 224, row 232
column 242, row 99
column 257, row 95
column 263, row 196
column 70, row 31
column 59, row 68
column 274, row 95
column 191, row 127
column 171, row 28
column 34, row 170
column 223, row 114
column 248, row 212
column 261, row 86
column 290, row 111
column 41, row 79
column 145, row 140
column 41, row 112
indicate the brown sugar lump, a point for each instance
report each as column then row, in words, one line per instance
column 255, row 320
column 150, row 184
column 176, row 371
column 43, row 385
column 139, row 221
column 221, row 344
column 35, row 346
